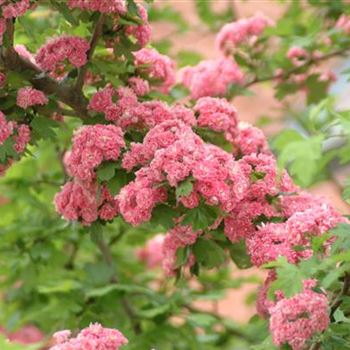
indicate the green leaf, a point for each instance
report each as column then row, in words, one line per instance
column 302, row 158
column 182, row 255
column 106, row 171
column 289, row 278
column 201, row 217
column 208, row 253
column 184, row 189
column 239, row 256
column 164, row 215
column 201, row 320
column 43, row 127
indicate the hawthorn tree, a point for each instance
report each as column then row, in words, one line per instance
column 131, row 188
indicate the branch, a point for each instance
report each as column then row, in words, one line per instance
column 93, row 43
column 308, row 63
column 65, row 93
column 107, row 255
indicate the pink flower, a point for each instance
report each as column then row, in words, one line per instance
column 17, row 9
column 77, row 202
column 52, row 55
column 141, row 32
column 2, row 29
column 178, row 237
column 6, row 128
column 104, row 6
column 233, row 34
column 152, row 252
column 93, row 337
column 22, row 138
column 138, row 198
column 139, row 85
column 297, row 55
column 160, row 69
column 28, row 96
column 26, row 335
column 92, row 145
column 218, row 115
column 343, row 24
column 249, row 139
column 295, row 320
column 211, row 77
column 102, row 99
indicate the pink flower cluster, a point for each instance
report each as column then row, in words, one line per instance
column 139, row 86
column 211, row 77
column 152, row 252
column 159, row 69
column 218, row 115
column 297, row 319
column 85, row 202
column 343, row 24
column 91, row 146
column 55, row 52
column 93, row 337
column 103, row 6
column 141, row 32
column 26, row 335
column 20, row 134
column 28, row 96
column 12, row 10
column 83, row 199
column 233, row 34
column 127, row 112
column 297, row 55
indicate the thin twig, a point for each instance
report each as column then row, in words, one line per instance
column 93, row 43
column 297, row 69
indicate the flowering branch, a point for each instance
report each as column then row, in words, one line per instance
column 65, row 93
column 93, row 43
column 297, row 69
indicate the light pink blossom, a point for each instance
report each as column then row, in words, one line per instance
column 93, row 337
column 211, row 77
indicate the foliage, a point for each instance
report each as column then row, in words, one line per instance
column 61, row 274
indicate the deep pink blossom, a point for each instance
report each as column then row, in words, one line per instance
column 159, row 68
column 28, row 96
column 26, row 335
column 141, row 32
column 6, row 128
column 138, row 199
column 91, row 146
column 218, row 115
column 139, row 85
column 211, row 77
column 94, row 337
column 103, row 6
column 22, row 138
column 297, row 319
column 55, row 52
column 12, row 10
column 249, row 139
